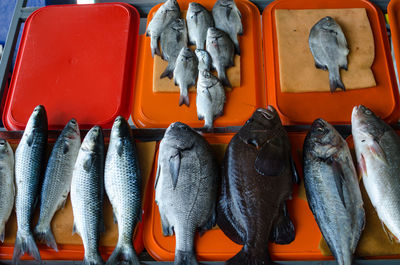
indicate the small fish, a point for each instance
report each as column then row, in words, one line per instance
column 167, row 13
column 221, row 49
column 57, row 181
column 227, row 18
column 332, row 190
column 204, row 59
column 7, row 190
column 87, row 191
column 29, row 161
column 172, row 40
column 186, row 188
column 198, row 20
column 123, row 184
column 328, row 45
column 185, row 73
column 210, row 98
column 377, row 148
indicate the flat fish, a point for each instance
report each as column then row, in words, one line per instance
column 199, row 19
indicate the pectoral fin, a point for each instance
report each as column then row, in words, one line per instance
column 270, row 159
column 377, row 151
column 174, row 166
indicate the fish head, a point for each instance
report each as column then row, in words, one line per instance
column 324, row 137
column 94, row 141
column 366, row 125
column 171, row 5
column 71, row 130
column 195, row 7
column 179, row 135
column 5, row 149
column 37, row 120
column 328, row 23
column 207, row 79
column 179, row 24
column 186, row 54
column 120, row 128
column 226, row 3
column 214, row 33
column 203, row 57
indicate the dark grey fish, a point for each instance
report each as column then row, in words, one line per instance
column 57, row 181
column 172, row 40
column 221, row 49
column 185, row 73
column 186, row 188
column 29, row 161
column 332, row 189
column 123, row 184
column 198, row 20
column 227, row 18
column 328, row 45
column 7, row 187
column 167, row 13
column 204, row 59
column 258, row 176
column 87, row 191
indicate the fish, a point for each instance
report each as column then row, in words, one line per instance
column 332, row 190
column 204, row 60
column 186, row 188
column 377, row 148
column 57, row 181
column 210, row 98
column 29, row 160
column 221, row 50
column 172, row 40
column 228, row 18
column 329, row 48
column 87, row 191
column 168, row 12
column 257, row 179
column 7, row 190
column 198, row 19
column 123, row 184
column 185, row 73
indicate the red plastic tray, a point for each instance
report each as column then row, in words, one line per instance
column 79, row 61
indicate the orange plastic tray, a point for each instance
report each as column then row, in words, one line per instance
column 157, row 110
column 214, row 245
column 304, row 108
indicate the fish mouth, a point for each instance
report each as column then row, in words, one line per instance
column 268, row 113
column 2, row 142
column 319, row 125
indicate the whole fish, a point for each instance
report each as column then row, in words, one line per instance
column 332, row 190
column 204, row 60
column 167, row 13
column 198, row 21
column 210, row 98
column 227, row 18
column 29, row 161
column 185, row 73
column 378, row 156
column 7, row 190
column 123, row 184
column 257, row 179
column 57, row 180
column 87, row 191
column 221, row 49
column 328, row 46
column 186, row 188
column 172, row 40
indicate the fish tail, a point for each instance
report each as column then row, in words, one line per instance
column 169, row 71
column 334, row 80
column 25, row 244
column 154, row 45
column 123, row 252
column 244, row 257
column 45, row 236
column 185, row 258
column 224, row 79
column 184, row 97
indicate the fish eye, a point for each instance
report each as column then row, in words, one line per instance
column 368, row 112
column 320, row 129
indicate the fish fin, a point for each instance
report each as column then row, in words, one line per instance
column 237, row 51
column 377, row 151
column 184, row 100
column 87, row 165
column 295, row 173
column 200, row 117
column 174, row 166
column 185, row 258
column 320, row 66
column 157, row 174
column 29, row 141
column 209, row 224
column 168, row 72
column 224, row 79
column 120, row 147
column 25, row 245
column 45, row 236
column 65, row 147
column 97, row 260
column 345, row 67
column 75, row 229
column 283, row 231
column 245, row 257
column 208, row 94
column 123, row 252
column 228, row 12
column 154, row 46
column 389, row 235
column 167, row 229
column 334, row 80
column 226, row 224
column 269, row 159
column 115, row 218
column 339, row 180
column 362, row 167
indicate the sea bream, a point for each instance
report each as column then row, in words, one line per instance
column 328, row 46
column 186, row 188
column 198, row 19
column 332, row 190
column 377, row 148
column 167, row 13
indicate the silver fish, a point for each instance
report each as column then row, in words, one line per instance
column 185, row 73
column 123, row 184
column 167, row 13
column 172, row 40
column 328, row 46
column 87, row 191
column 332, row 189
column 57, row 180
column 186, row 188
column 377, row 148
column 204, row 59
column 210, row 98
column 221, row 49
column 227, row 18
column 7, row 190
column 29, row 161
column 198, row 21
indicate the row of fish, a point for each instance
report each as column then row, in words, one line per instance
column 81, row 169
